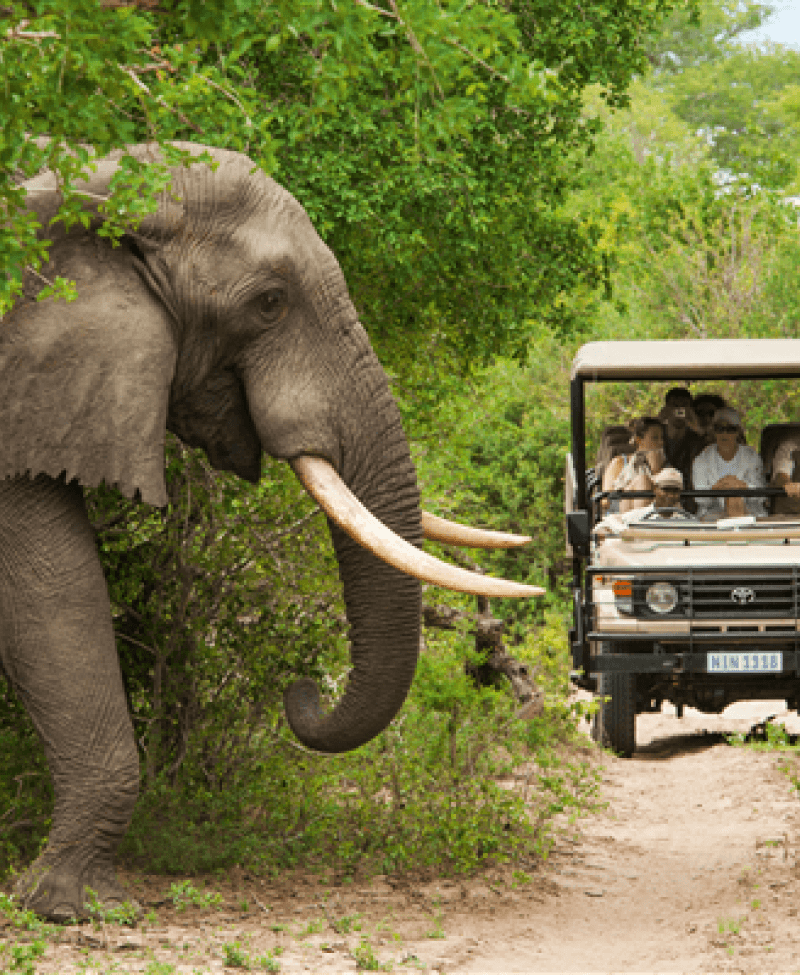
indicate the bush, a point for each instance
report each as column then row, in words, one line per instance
column 457, row 781
column 26, row 792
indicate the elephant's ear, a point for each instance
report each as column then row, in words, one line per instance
column 84, row 385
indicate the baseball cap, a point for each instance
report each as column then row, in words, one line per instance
column 669, row 477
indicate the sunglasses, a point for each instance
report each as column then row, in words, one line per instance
column 725, row 428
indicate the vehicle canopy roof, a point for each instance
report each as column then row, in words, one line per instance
column 687, row 359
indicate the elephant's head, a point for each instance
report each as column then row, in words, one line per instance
column 225, row 319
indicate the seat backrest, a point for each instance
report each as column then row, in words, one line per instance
column 771, row 437
column 616, row 440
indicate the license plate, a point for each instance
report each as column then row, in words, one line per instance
column 742, row 662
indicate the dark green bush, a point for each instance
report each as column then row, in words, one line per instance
column 26, row 793
column 456, row 782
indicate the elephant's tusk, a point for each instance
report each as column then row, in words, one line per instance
column 441, row 530
column 342, row 506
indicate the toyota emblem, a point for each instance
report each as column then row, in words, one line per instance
column 742, row 595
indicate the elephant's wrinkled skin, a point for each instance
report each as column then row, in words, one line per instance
column 226, row 320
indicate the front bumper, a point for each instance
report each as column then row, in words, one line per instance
column 619, row 627
column 684, row 662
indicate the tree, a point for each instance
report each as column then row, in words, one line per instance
column 746, row 104
column 684, row 41
column 740, row 100
column 431, row 143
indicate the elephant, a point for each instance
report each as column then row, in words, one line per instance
column 223, row 318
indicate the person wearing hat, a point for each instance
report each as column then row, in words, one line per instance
column 728, row 463
column 667, row 486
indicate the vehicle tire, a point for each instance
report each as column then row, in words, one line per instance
column 615, row 722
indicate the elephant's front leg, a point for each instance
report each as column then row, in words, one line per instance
column 57, row 647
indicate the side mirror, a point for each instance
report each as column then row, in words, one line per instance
column 578, row 532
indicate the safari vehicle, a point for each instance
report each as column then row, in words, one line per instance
column 698, row 613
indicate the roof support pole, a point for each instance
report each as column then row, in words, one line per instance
column 576, row 405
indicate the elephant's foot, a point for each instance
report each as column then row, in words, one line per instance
column 56, row 887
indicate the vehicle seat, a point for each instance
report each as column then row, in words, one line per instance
column 771, row 437
column 616, row 440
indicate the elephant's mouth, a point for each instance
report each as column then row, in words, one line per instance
column 343, row 507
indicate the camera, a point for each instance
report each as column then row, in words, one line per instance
column 679, row 412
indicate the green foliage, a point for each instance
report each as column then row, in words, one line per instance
column 748, row 101
column 366, row 959
column 742, row 99
column 312, row 927
column 685, row 259
column 22, row 955
column 494, row 457
column 416, row 138
column 159, row 968
column 126, row 913
column 26, row 792
column 687, row 39
column 346, row 923
column 437, row 931
column 235, row 956
column 22, row 920
column 731, row 924
column 185, row 895
column 207, row 615
column 268, row 963
column 688, row 261
column 426, row 793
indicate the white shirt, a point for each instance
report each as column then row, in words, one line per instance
column 709, row 467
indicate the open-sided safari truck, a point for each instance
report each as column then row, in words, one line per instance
column 698, row 613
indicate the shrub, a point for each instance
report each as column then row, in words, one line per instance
column 455, row 783
column 26, row 792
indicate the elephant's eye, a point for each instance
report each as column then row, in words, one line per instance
column 272, row 303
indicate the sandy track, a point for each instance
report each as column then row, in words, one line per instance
column 691, row 827
column 696, row 834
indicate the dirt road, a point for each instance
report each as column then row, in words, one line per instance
column 692, row 867
column 698, row 836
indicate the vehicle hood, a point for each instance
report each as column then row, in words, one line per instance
column 619, row 552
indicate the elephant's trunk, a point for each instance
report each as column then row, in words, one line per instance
column 383, row 608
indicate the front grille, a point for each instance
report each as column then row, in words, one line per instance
column 771, row 595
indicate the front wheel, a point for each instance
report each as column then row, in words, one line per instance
column 615, row 722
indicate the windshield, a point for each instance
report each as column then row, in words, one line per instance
column 702, row 453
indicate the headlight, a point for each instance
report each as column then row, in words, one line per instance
column 661, row 597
